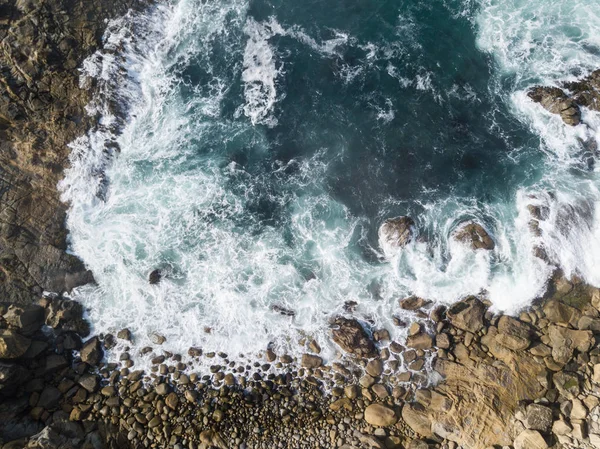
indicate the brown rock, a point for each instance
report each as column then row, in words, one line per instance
column 419, row 341
column 396, row 233
column 12, row 344
column 530, row 439
column 556, row 101
column 374, row 367
column 474, row 235
column 311, row 361
column 513, row 334
column 467, row 314
column 352, row 338
column 380, row 415
column 413, row 303
column 172, row 400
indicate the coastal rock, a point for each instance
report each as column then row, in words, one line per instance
column 474, row 235
column 419, row 341
column 554, row 100
column 530, row 439
column 513, row 333
column 413, row 303
column 12, row 344
column 352, row 338
column 311, row 361
column 154, row 277
column 380, row 415
column 92, row 353
column 374, row 367
column 467, row 314
column 538, row 417
column 395, row 234
column 586, row 92
column 28, row 319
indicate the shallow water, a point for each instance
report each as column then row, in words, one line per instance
column 264, row 143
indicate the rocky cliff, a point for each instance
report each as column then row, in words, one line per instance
column 42, row 109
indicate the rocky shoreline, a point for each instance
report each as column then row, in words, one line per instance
column 528, row 382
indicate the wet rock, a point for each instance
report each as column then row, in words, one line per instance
column 396, row 233
column 157, row 339
column 154, row 277
column 413, row 303
column 474, row 235
column 419, row 341
column 352, row 338
column 374, row 367
column 12, row 344
column 311, row 361
column 314, row 347
column 283, row 310
column 586, row 91
column 467, row 314
column 92, row 352
column 124, row 334
column 172, row 400
column 555, row 100
column 380, row 415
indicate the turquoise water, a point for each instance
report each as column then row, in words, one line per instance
column 264, row 143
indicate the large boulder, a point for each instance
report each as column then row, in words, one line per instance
column 513, row 334
column 586, row 91
column 28, row 319
column 467, row 314
column 92, row 353
column 395, row 234
column 380, row 415
column 474, row 235
column 12, row 344
column 352, row 338
column 530, row 439
column 556, row 101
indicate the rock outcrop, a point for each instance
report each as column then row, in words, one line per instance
column 42, row 110
column 474, row 235
column 395, row 234
column 566, row 101
column 352, row 338
column 556, row 101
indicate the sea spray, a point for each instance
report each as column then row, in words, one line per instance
column 256, row 150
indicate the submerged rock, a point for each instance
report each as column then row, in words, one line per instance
column 155, row 277
column 396, row 233
column 474, row 235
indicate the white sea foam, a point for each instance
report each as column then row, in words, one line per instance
column 171, row 198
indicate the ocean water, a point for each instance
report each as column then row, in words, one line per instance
column 251, row 149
